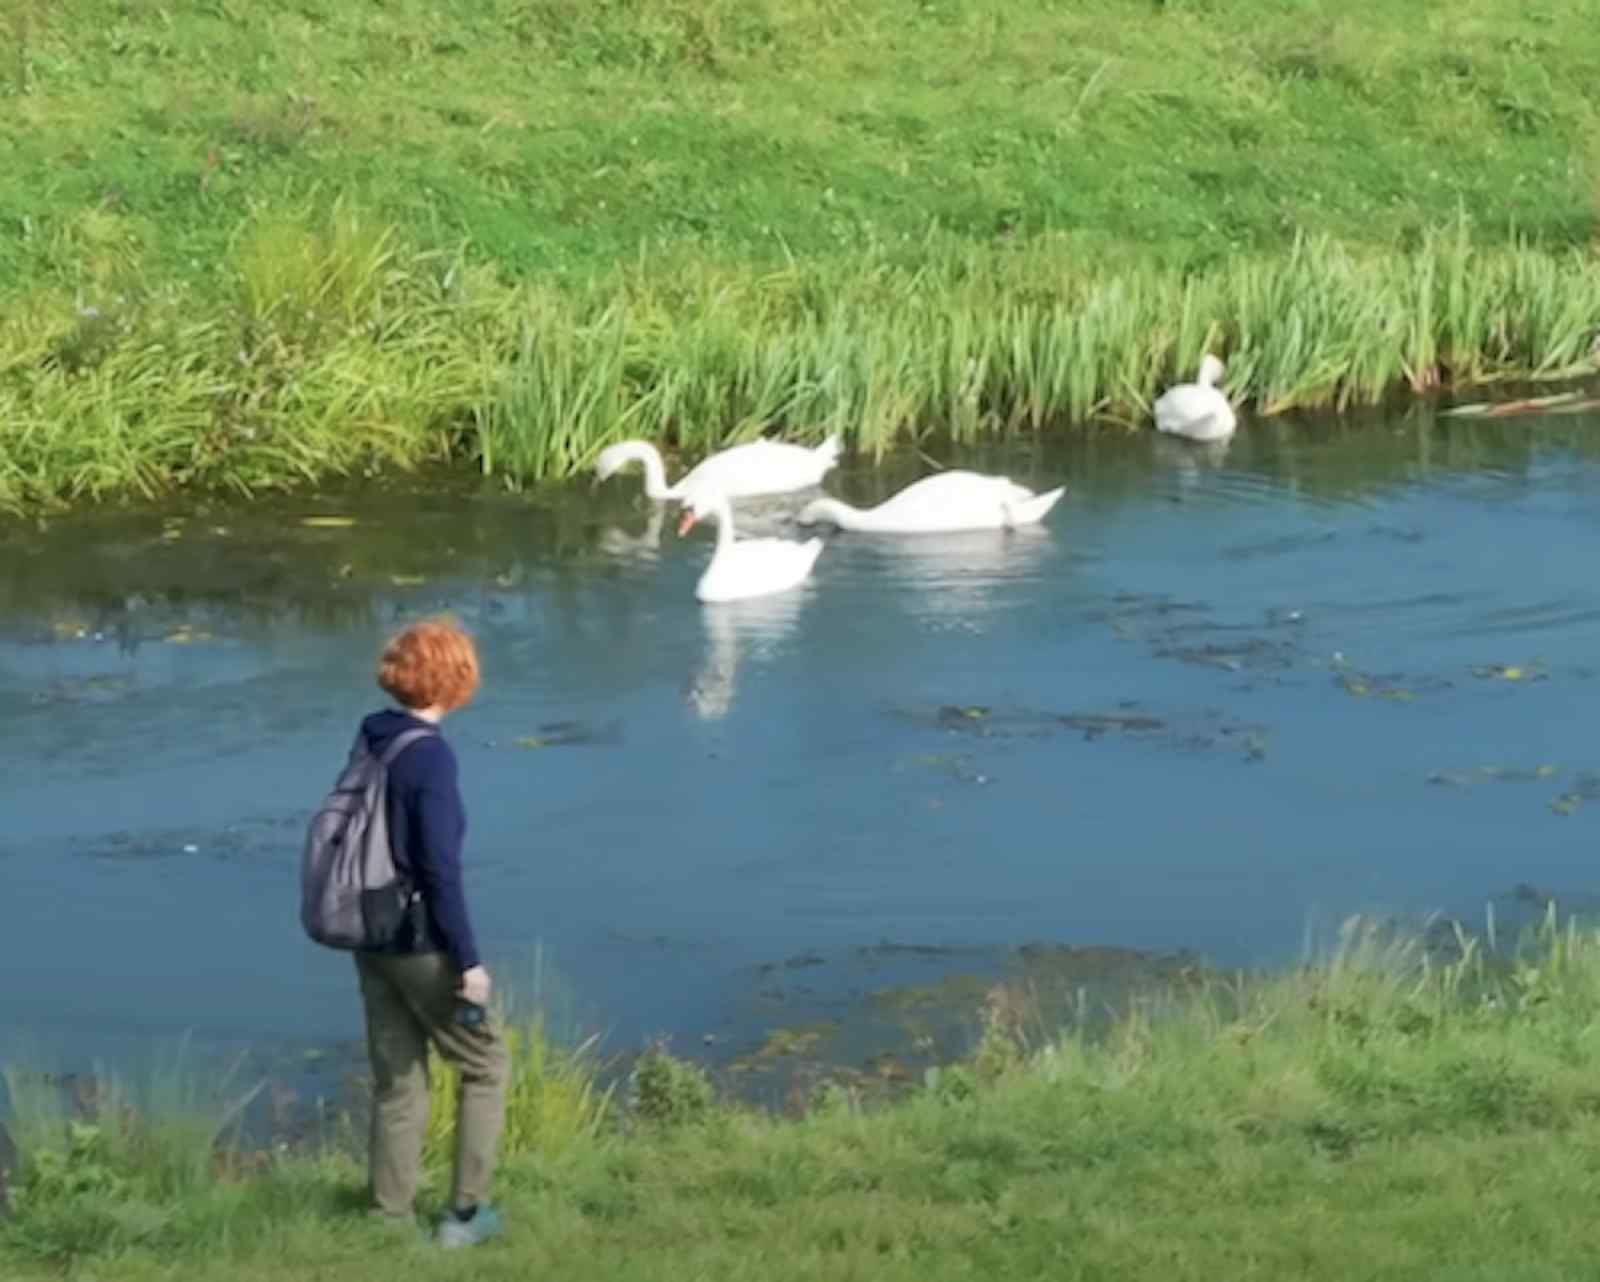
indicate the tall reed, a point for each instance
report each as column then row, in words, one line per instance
column 335, row 348
column 968, row 343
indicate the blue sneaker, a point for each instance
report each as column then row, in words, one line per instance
column 484, row 1224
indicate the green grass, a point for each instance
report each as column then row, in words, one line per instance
column 1390, row 1112
column 568, row 135
column 553, row 1103
column 245, row 246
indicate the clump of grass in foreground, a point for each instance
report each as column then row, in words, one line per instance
column 1380, row 1112
column 107, row 1161
column 554, row 1101
column 337, row 349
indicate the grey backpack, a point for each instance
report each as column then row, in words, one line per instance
column 352, row 895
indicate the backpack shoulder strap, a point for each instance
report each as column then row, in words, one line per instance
column 401, row 742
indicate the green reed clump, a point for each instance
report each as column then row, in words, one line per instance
column 328, row 351
column 969, row 343
column 554, row 1103
column 667, row 1091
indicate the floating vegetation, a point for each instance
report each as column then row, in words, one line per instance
column 1585, row 784
column 1466, row 778
column 1560, row 403
column 1510, row 672
column 1586, row 788
column 1184, row 631
column 1211, row 730
column 952, row 716
column 800, row 961
column 782, row 1043
column 1362, row 685
column 569, row 734
column 1095, row 724
column 1130, row 605
column 1393, row 686
column 1189, row 731
column 1255, row 653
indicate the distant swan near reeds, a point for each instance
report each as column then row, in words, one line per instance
column 1198, row 411
column 744, row 471
column 742, row 568
column 945, row 503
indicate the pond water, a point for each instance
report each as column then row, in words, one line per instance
column 1219, row 699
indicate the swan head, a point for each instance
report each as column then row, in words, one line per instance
column 1211, row 371
column 613, row 459
column 701, row 505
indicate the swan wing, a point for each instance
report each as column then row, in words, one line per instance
column 946, row 501
column 1200, row 413
column 756, row 567
column 759, row 467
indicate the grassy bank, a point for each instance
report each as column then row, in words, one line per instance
column 251, row 245
column 344, row 354
column 1377, row 1115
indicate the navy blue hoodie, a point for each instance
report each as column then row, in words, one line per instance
column 427, row 825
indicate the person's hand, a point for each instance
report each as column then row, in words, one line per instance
column 475, row 986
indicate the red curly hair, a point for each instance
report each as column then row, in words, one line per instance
column 433, row 662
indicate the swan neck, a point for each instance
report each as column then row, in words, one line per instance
column 655, row 473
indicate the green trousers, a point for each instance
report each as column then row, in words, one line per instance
column 410, row 1001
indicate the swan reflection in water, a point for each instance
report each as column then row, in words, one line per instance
column 646, row 546
column 1189, row 459
column 954, row 577
column 735, row 631
column 758, row 518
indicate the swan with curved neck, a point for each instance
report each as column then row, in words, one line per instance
column 945, row 503
column 744, row 471
column 743, row 568
column 1198, row 410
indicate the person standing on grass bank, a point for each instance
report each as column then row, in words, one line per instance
column 430, row 985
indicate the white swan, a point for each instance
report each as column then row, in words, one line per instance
column 758, row 467
column 1197, row 410
column 944, row 503
column 748, row 567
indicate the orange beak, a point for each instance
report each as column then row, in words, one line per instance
column 686, row 523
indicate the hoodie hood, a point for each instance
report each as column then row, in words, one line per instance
column 381, row 728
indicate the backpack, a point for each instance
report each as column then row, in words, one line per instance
column 352, row 894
